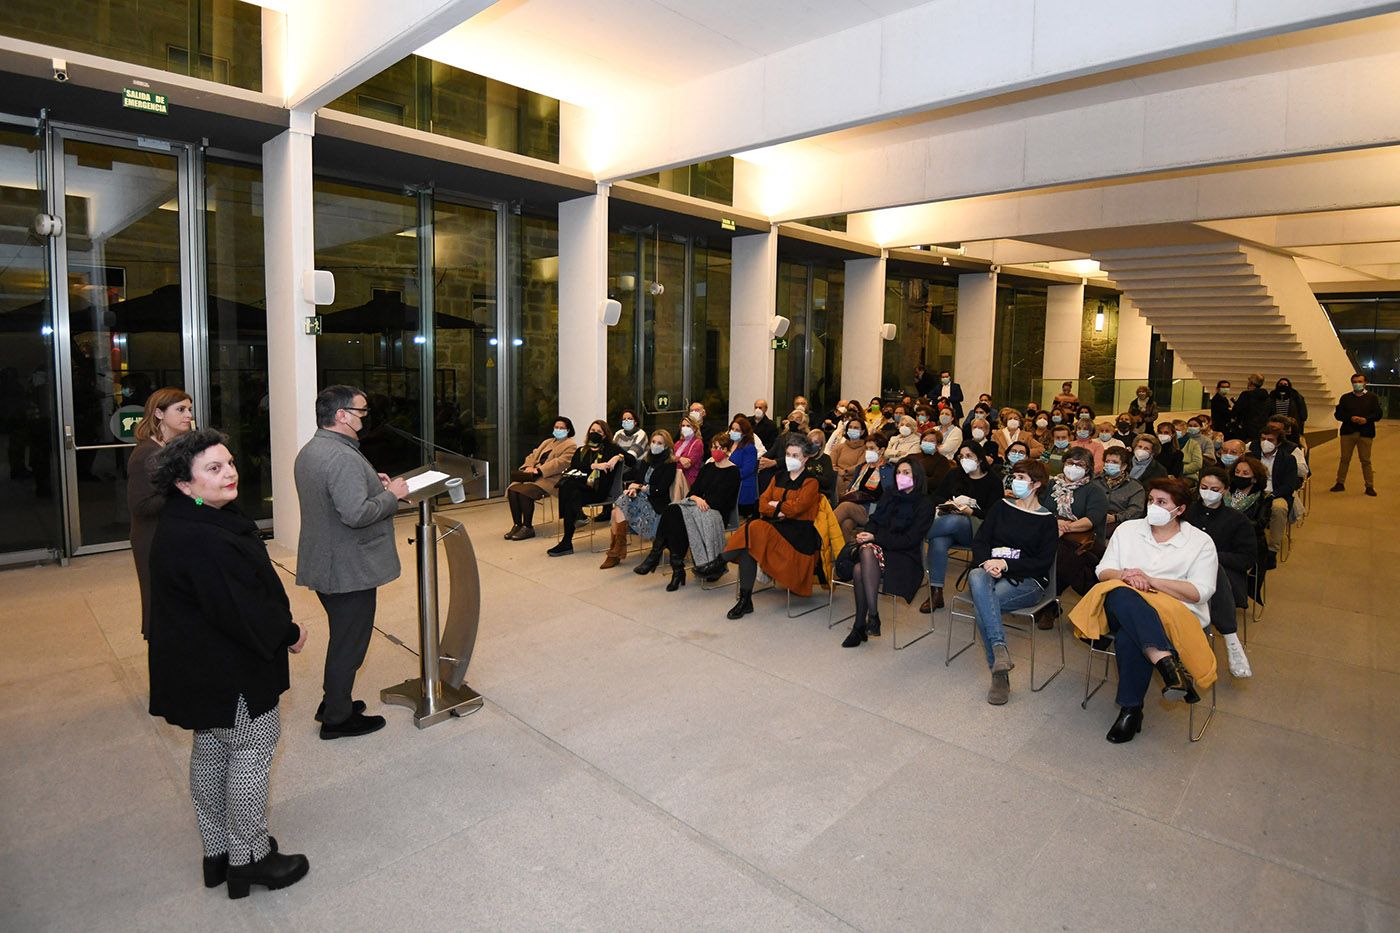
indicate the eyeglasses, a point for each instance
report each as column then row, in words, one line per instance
column 359, row 411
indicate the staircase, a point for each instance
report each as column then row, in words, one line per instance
column 1231, row 309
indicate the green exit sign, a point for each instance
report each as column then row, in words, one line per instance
column 726, row 224
column 779, row 343
column 134, row 98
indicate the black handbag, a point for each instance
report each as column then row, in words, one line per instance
column 844, row 567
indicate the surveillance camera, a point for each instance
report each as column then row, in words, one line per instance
column 60, row 70
column 996, row 269
column 657, row 289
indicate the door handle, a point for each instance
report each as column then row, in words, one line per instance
column 68, row 441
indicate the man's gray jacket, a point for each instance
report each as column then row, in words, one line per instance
column 347, row 518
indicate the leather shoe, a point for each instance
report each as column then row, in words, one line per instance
column 357, row 724
column 561, row 549
column 272, row 871
column 933, row 602
column 357, row 706
column 1370, row 490
column 872, row 625
column 216, row 867
column 1127, row 725
column 743, row 607
column 510, row 535
column 1339, row 487
column 857, row 635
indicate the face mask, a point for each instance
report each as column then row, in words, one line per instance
column 1012, row 424
column 853, row 433
column 793, row 464
column 1074, row 473
column 629, row 425
column 1015, row 457
column 1020, row 488
column 1211, row 497
column 871, row 456
column 874, row 406
column 1180, row 435
column 1157, row 516
column 905, row 430
column 1057, row 418
column 1085, row 414
column 1142, row 456
column 1082, row 434
column 1194, row 432
column 719, row 455
column 687, row 431
column 922, row 419
column 799, row 408
column 1164, row 438
column 1105, row 437
column 945, row 420
column 1112, row 469
column 1229, row 459
column 978, row 434
column 697, row 417
column 1268, row 446
column 1042, row 423
column 1061, row 443
column 1225, row 391
column 969, row 464
column 904, row 481
column 560, row 434
column 595, row 438
column 1124, row 427
column 736, row 436
column 945, row 380
column 658, row 449
column 1241, row 482
column 758, row 413
column 1358, row 387
column 1283, row 387
column 928, row 447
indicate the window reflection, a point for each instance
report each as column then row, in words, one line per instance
column 924, row 312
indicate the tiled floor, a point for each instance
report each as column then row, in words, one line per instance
column 644, row 763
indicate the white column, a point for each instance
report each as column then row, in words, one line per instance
column 975, row 336
column 1134, row 352
column 1064, row 327
column 583, row 286
column 862, row 347
column 290, row 248
column 753, row 302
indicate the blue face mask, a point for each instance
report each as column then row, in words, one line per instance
column 1020, row 488
column 1194, row 432
column 560, row 434
column 1228, row 459
column 1056, row 418
column 736, row 436
column 1061, row 443
column 628, row 424
column 928, row 447
column 853, row 433
column 1112, row 469
column 1015, row 457
column 1105, row 436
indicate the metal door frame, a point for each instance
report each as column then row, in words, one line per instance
column 193, row 318
column 643, row 294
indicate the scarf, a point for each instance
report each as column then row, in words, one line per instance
column 1063, row 494
column 1139, row 467
column 1243, row 501
column 1113, row 482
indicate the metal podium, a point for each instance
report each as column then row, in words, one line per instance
column 441, row 691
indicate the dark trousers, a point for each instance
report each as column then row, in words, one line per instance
column 1136, row 627
column 351, row 618
column 671, row 533
column 573, row 495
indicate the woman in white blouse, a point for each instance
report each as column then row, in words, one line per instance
column 952, row 434
column 905, row 442
column 1166, row 567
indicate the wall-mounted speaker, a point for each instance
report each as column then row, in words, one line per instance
column 888, row 331
column 609, row 311
column 778, row 327
column 318, row 286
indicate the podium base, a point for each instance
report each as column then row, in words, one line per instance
column 455, row 701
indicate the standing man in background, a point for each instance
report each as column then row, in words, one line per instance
column 1358, row 411
column 1251, row 410
column 950, row 390
column 1221, row 407
column 923, row 382
column 346, row 549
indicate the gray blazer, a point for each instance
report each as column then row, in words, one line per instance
column 347, row 518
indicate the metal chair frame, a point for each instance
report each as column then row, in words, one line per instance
column 894, row 613
column 1028, row 613
column 1109, row 654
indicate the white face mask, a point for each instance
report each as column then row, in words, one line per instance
column 1164, row 438
column 1157, row 516
column 905, row 430
column 969, row 464
column 697, row 417
column 658, row 449
column 1268, row 446
column 1041, row 423
column 853, row 433
column 871, row 456
column 1142, row 456
column 1013, row 424
column 1074, row 473
column 1211, row 497
column 687, row 431
column 945, row 419
column 793, row 464
column 978, row 434
column 758, row 412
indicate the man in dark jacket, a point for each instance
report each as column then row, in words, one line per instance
column 1358, row 411
column 346, row 549
column 923, row 382
column 1276, row 453
column 1221, row 408
column 1237, row 550
column 1251, row 410
column 951, row 391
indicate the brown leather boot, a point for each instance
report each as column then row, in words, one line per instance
column 933, row 602
column 618, row 549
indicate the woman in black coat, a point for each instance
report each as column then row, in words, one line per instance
column 169, row 413
column 889, row 549
column 221, row 628
column 587, row 481
column 644, row 497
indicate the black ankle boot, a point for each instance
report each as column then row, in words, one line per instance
column 216, row 867
column 274, row 870
column 1176, row 680
column 713, row 570
column 649, row 563
column 857, row 635
column 677, row 575
column 872, row 625
column 1127, row 725
column 565, row 546
column 744, row 606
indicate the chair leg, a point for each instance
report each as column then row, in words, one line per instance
column 1191, row 731
column 830, row 606
column 894, row 623
column 953, row 613
column 1060, row 628
column 804, row 612
column 1088, row 667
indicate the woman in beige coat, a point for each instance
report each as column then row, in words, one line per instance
column 538, row 476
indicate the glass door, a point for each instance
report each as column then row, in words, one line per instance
column 124, row 296
column 664, row 363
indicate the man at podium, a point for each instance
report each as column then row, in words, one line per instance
column 346, row 549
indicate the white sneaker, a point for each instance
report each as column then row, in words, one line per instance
column 1239, row 664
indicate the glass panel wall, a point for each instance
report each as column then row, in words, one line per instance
column 624, row 279
column 227, row 34
column 711, row 181
column 824, row 339
column 664, row 391
column 369, row 239
column 237, row 315
column 925, row 314
column 1369, row 329
column 790, row 362
column 30, row 516
column 1019, row 350
column 436, row 98
column 535, row 326
column 711, row 278
column 1098, row 354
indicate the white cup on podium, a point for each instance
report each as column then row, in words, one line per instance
column 455, row 491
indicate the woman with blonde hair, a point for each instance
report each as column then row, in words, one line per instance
column 169, row 413
column 646, row 494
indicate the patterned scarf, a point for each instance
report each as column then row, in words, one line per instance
column 1063, row 494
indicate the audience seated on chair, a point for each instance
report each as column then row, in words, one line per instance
column 935, row 465
column 690, row 450
column 646, row 492
column 1124, row 432
column 589, row 480
column 1080, row 507
column 1236, row 549
column 1169, row 454
column 1158, row 576
column 961, row 501
column 952, row 434
column 858, row 497
column 631, row 437
column 1274, row 451
column 696, row 523
column 1126, row 499
column 1010, row 432
column 821, row 465
column 1012, row 554
column 745, row 457
column 1146, row 466
column 1248, row 478
column 1084, row 437
column 537, row 476
column 1054, row 456
column 905, row 441
column 889, row 549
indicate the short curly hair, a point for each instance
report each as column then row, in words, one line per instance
column 799, row 440
column 175, row 460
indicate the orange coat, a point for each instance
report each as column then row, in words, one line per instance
column 776, row 555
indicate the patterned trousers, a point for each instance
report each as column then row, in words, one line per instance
column 228, row 781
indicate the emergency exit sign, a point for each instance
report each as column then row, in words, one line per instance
column 134, row 98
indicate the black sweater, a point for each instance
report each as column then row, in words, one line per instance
column 1035, row 535
column 1366, row 405
column 718, row 486
column 987, row 490
column 663, row 474
column 220, row 620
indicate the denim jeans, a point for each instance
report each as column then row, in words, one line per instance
column 947, row 531
column 992, row 597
